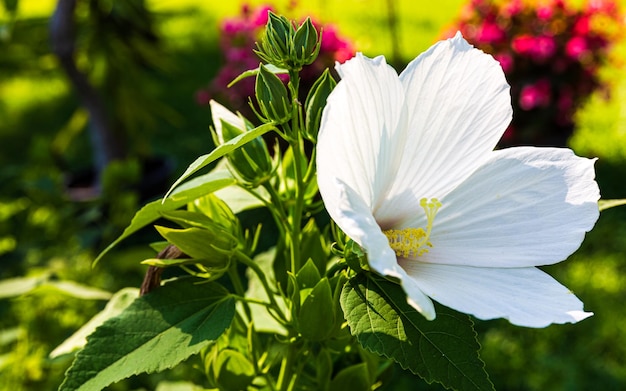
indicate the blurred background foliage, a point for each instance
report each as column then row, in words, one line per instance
column 151, row 62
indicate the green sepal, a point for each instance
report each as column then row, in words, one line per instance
column 315, row 103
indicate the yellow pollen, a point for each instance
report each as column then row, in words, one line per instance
column 412, row 242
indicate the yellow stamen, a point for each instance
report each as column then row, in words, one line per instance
column 412, row 242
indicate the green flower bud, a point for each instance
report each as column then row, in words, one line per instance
column 272, row 96
column 208, row 245
column 306, row 44
column 218, row 212
column 252, row 162
column 276, row 41
column 315, row 103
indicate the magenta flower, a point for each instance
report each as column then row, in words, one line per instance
column 489, row 33
column 506, row 61
column 576, row 47
column 535, row 95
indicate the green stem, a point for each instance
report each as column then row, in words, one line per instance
column 234, row 278
column 297, row 148
column 262, row 277
column 285, row 377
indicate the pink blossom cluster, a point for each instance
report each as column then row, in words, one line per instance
column 551, row 53
column 238, row 36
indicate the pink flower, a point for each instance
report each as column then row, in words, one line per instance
column 505, row 60
column 259, row 17
column 232, row 26
column 489, row 33
column 512, row 8
column 535, row 95
column 538, row 48
column 582, row 25
column 576, row 47
column 544, row 12
column 333, row 43
column 523, row 44
column 544, row 47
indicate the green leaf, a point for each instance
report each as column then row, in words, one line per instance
column 233, row 371
column 220, row 151
column 114, row 307
column 18, row 286
column 78, row 291
column 353, row 378
column 444, row 350
column 186, row 193
column 253, row 72
column 155, row 332
column 314, row 246
column 239, row 199
column 317, row 318
column 13, row 287
column 607, row 204
column 308, row 275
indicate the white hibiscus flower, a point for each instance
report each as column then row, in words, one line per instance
column 407, row 169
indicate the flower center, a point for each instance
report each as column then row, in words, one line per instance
column 412, row 242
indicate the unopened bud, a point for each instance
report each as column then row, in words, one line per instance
column 251, row 162
column 276, row 41
column 272, row 96
column 315, row 103
column 306, row 44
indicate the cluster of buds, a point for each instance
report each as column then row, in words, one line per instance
column 551, row 53
column 286, row 46
column 238, row 39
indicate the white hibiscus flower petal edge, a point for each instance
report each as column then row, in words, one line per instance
column 407, row 169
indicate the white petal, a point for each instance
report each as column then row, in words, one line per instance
column 525, row 296
column 525, row 207
column 459, row 105
column 220, row 113
column 353, row 216
column 358, row 139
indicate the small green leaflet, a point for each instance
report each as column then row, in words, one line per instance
column 607, row 204
column 186, row 193
column 444, row 350
column 253, row 72
column 155, row 332
column 220, row 151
